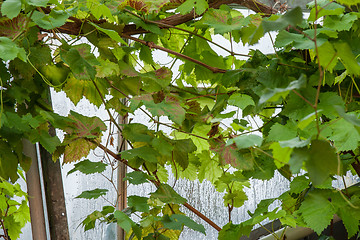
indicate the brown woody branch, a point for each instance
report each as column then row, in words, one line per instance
column 75, row 26
column 188, row 206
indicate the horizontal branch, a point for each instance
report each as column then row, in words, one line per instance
column 75, row 26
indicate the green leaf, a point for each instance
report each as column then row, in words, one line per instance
column 321, row 154
column 299, row 183
column 297, row 158
column 279, row 132
column 324, row 8
column 93, row 194
column 234, row 231
column 317, row 211
column 11, row 8
column 182, row 148
column 223, row 20
column 107, row 69
column 177, row 221
column 246, row 141
column 273, row 94
column 48, row 142
column 327, row 56
column 340, row 22
column 56, row 18
column 123, row 220
column 136, row 177
column 88, row 167
column 241, row 100
column 8, row 162
column 292, row 17
column 137, row 132
column 9, row 50
column 348, row 214
column 38, row 3
column 281, row 154
column 348, row 59
column 138, row 203
column 349, row 2
column 81, row 61
column 170, row 107
column 167, row 194
column 111, row 33
column 146, row 153
column 199, row 5
column 235, row 198
column 344, row 134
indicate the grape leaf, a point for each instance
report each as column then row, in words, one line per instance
column 93, row 194
column 292, row 17
column 13, row 27
column 199, row 5
column 321, row 154
column 136, row 177
column 182, row 148
column 138, row 203
column 167, row 194
column 234, row 231
column 344, row 134
column 85, row 127
column 317, row 211
column 177, row 221
column 144, row 152
column 111, row 33
column 246, row 141
column 11, row 8
column 77, row 149
column 279, row 132
column 137, row 132
column 229, row 154
column 298, row 184
column 88, row 167
column 9, row 50
column 223, row 20
column 235, row 198
column 54, row 19
column 123, row 220
column 241, row 100
column 81, row 61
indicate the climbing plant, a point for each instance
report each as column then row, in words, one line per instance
column 305, row 97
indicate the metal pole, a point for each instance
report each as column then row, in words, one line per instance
column 38, row 226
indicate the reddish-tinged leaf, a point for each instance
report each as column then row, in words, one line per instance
column 77, row 149
column 85, row 127
column 230, row 155
column 12, row 27
column 170, row 107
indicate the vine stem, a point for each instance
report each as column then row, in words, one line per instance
column 157, row 184
column 180, row 55
column 161, row 24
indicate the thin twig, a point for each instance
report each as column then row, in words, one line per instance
column 153, row 45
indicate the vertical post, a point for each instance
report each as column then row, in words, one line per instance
column 54, row 192
column 38, row 227
column 122, row 200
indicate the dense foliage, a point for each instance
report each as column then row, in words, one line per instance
column 305, row 94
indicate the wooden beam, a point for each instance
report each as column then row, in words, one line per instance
column 38, row 226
